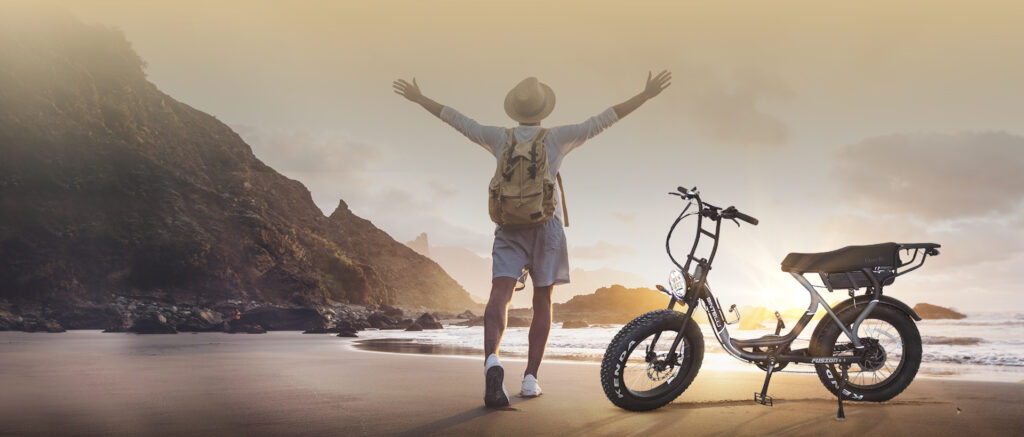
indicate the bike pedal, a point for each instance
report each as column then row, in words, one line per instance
column 765, row 400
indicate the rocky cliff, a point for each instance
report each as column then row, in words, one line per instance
column 109, row 187
column 613, row 304
column 929, row 311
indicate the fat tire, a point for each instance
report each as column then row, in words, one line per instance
column 827, row 332
column 637, row 330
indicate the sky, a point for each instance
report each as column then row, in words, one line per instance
column 834, row 123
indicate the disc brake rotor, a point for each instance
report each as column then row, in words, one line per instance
column 659, row 369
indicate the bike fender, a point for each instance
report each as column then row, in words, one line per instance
column 884, row 300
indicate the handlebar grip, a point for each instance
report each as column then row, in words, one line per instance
column 745, row 218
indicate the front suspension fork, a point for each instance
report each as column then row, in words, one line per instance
column 672, row 356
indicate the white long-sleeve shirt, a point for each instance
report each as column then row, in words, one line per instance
column 559, row 141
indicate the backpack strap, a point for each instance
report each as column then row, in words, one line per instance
column 565, row 210
column 541, row 134
column 510, row 141
column 538, row 139
column 536, row 142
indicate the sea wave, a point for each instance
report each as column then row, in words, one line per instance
column 959, row 341
column 988, row 340
column 984, row 319
column 987, row 359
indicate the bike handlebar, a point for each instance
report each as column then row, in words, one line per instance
column 729, row 213
column 743, row 216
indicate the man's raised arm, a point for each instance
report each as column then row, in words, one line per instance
column 571, row 136
column 490, row 137
column 653, row 87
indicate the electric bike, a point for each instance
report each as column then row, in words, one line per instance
column 866, row 348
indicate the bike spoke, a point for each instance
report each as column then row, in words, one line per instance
column 638, row 378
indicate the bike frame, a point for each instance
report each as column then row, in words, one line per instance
column 776, row 346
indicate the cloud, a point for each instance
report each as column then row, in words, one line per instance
column 442, row 189
column 729, row 112
column 964, row 191
column 934, row 176
column 624, row 217
column 980, row 241
column 602, row 250
column 964, row 242
column 290, row 151
column 334, row 166
column 978, row 258
column 404, row 215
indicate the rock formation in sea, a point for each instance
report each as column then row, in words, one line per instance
column 613, row 304
column 929, row 311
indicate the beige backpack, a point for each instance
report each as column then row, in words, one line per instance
column 522, row 191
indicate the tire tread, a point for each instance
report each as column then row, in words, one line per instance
column 618, row 344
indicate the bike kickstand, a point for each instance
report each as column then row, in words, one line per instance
column 763, row 398
column 840, row 415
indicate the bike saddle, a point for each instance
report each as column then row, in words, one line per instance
column 849, row 258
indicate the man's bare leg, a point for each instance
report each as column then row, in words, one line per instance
column 540, row 327
column 495, row 314
column 495, row 394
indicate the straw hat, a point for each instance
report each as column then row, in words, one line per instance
column 530, row 101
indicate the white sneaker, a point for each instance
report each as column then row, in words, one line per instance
column 495, row 394
column 530, row 387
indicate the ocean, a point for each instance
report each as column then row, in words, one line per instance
column 981, row 347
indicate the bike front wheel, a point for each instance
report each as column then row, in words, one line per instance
column 639, row 373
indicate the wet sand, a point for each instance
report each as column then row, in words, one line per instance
column 87, row 383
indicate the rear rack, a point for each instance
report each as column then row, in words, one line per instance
column 924, row 249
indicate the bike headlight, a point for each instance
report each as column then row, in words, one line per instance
column 677, row 283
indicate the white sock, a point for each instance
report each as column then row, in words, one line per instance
column 492, row 360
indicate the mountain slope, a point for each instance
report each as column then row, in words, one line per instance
column 110, row 187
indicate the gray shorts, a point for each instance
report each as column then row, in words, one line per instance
column 541, row 250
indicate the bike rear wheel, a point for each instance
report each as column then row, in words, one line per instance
column 638, row 377
column 893, row 354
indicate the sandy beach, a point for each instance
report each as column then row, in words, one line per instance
column 87, row 383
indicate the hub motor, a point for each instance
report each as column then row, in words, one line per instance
column 874, row 355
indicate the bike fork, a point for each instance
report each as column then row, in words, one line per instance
column 679, row 336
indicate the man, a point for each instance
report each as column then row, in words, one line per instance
column 540, row 250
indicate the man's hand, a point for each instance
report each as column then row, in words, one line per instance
column 656, row 84
column 412, row 92
column 408, row 90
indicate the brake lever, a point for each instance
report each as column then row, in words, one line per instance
column 734, row 221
